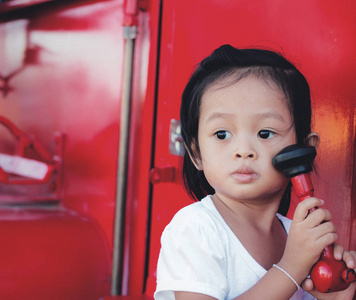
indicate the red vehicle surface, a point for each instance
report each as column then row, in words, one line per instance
column 89, row 144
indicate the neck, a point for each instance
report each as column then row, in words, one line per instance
column 259, row 214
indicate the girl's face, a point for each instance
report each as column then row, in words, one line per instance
column 242, row 126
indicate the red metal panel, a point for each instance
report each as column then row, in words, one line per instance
column 317, row 36
column 69, row 80
column 48, row 253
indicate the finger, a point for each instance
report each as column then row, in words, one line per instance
column 327, row 239
column 323, row 229
column 349, row 259
column 302, row 209
column 353, row 252
column 317, row 217
column 338, row 251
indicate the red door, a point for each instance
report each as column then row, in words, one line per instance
column 317, row 36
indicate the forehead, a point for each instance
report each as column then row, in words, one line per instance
column 256, row 74
column 250, row 95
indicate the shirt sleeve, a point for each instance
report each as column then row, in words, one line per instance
column 191, row 259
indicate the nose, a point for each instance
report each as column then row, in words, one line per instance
column 245, row 150
column 245, row 155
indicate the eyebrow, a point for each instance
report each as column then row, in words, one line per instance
column 261, row 116
column 270, row 115
column 218, row 115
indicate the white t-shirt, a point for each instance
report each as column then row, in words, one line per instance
column 199, row 253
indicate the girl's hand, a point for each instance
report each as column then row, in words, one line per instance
column 309, row 234
column 348, row 294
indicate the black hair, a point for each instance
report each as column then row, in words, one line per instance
column 222, row 63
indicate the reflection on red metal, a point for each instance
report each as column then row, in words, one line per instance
column 26, row 142
column 14, row 45
column 32, row 164
column 162, row 174
column 8, row 6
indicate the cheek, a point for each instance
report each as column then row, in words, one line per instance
column 212, row 166
column 278, row 178
column 269, row 170
column 212, row 158
column 215, row 177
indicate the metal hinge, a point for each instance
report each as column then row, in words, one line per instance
column 176, row 145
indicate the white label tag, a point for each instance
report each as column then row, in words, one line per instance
column 23, row 166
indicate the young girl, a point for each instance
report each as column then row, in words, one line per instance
column 239, row 109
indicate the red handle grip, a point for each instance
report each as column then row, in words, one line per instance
column 328, row 274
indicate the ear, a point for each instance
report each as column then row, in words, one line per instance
column 313, row 139
column 194, row 157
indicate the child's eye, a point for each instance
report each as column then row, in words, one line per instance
column 223, row 134
column 265, row 134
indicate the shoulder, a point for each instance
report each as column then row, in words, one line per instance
column 198, row 214
column 192, row 255
column 196, row 224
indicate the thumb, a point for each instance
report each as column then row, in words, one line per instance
column 308, row 286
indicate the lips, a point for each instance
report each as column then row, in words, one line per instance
column 245, row 175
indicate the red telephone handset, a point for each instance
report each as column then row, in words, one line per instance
column 295, row 161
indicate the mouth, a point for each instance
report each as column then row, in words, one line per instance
column 244, row 175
